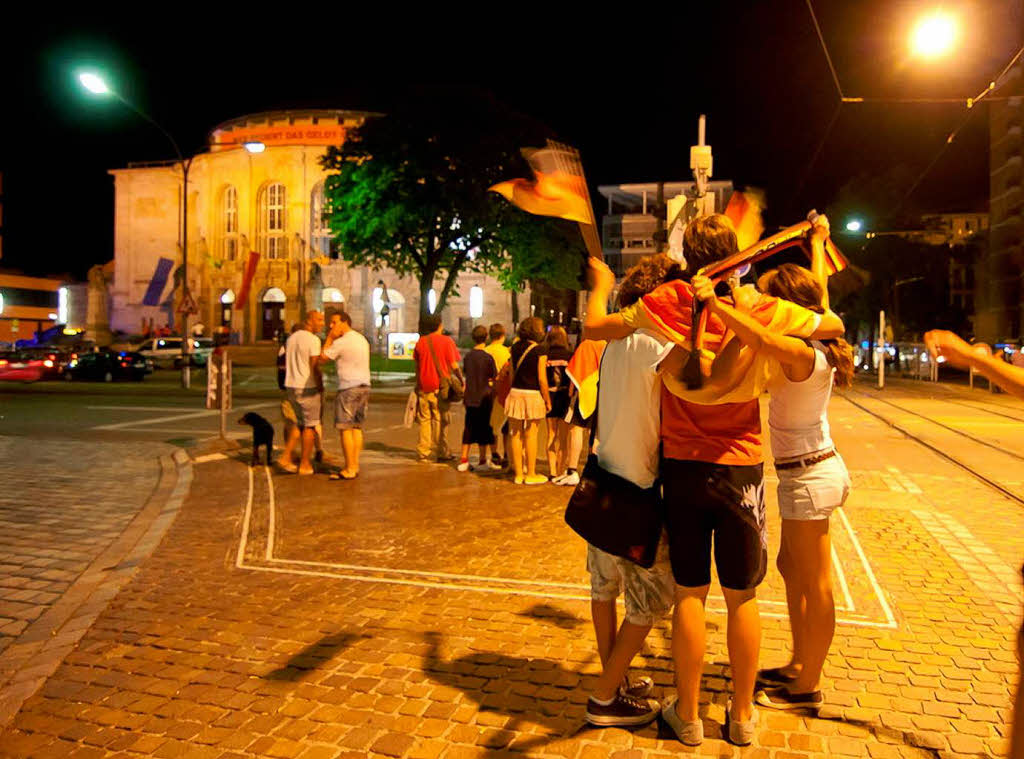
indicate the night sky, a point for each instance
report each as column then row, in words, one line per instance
column 625, row 86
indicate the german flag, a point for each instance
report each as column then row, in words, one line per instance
column 584, row 369
column 557, row 189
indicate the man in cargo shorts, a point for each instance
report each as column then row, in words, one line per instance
column 304, row 386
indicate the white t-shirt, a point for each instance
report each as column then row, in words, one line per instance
column 351, row 354
column 629, row 407
column 298, row 350
column 798, row 411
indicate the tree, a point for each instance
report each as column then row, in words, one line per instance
column 410, row 193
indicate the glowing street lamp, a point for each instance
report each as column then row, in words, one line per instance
column 933, row 35
column 854, row 225
column 97, row 86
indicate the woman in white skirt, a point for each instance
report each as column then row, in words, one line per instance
column 528, row 402
column 813, row 480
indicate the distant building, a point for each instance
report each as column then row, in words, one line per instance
column 999, row 288
column 31, row 304
column 630, row 221
column 270, row 202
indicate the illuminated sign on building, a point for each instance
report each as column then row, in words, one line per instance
column 295, row 134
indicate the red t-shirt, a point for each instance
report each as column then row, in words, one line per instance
column 726, row 433
column 447, row 356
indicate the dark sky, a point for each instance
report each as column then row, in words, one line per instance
column 625, row 87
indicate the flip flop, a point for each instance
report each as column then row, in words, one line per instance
column 341, row 476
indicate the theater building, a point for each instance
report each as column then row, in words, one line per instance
column 270, row 202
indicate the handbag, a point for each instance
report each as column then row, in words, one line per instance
column 507, row 375
column 450, row 386
column 614, row 514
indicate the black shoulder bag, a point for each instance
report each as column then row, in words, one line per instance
column 614, row 514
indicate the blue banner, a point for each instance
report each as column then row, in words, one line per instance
column 158, row 283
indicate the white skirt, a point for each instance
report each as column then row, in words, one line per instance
column 525, row 404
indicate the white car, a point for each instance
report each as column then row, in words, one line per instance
column 165, row 352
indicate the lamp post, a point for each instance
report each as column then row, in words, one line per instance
column 96, row 85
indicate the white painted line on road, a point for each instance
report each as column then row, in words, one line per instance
column 178, row 417
column 890, row 619
column 142, row 408
column 245, row 523
column 208, row 458
column 906, row 483
column 246, row 381
column 272, row 520
column 842, row 579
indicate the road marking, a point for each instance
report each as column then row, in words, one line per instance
column 271, row 522
column 208, row 458
column 854, row 620
column 906, row 484
column 178, row 417
column 142, row 408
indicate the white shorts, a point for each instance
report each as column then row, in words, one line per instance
column 650, row 593
column 813, row 492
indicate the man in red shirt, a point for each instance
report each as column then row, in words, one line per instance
column 436, row 356
column 712, row 475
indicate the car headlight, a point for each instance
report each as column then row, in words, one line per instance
column 73, row 363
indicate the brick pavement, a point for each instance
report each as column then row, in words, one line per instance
column 346, row 635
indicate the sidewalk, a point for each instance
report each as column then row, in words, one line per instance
column 419, row 612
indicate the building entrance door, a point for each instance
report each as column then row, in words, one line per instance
column 273, row 313
column 273, row 320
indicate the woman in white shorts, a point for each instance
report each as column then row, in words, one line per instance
column 813, row 480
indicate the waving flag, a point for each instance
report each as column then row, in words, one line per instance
column 250, row 272
column 744, row 210
column 558, row 189
column 158, row 283
column 584, row 369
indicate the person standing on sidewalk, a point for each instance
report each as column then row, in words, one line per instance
column 556, row 349
column 500, row 353
column 528, row 402
column 304, row 385
column 436, row 356
column 628, row 414
column 479, row 370
column 350, row 352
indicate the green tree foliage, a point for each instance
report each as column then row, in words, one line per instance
column 410, row 193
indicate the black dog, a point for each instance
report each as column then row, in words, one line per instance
column 262, row 434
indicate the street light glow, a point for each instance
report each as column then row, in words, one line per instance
column 93, row 83
column 254, row 147
column 934, row 35
column 853, row 225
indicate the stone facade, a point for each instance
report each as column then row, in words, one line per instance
column 268, row 202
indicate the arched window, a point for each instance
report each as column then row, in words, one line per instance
column 270, row 239
column 332, row 295
column 319, row 231
column 228, row 224
column 227, row 304
column 476, row 302
column 274, row 295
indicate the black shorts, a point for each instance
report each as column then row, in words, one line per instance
column 727, row 502
column 559, row 404
column 478, row 430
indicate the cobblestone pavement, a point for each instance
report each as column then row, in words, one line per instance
column 419, row 612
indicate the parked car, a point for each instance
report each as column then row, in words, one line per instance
column 109, row 366
column 165, row 352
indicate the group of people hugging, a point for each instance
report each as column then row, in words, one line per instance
column 704, row 447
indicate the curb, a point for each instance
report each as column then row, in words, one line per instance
column 27, row 663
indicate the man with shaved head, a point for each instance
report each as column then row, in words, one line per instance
column 304, row 385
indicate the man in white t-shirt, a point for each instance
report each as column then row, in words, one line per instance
column 351, row 355
column 303, row 384
column 627, row 444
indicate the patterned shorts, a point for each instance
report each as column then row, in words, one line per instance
column 650, row 593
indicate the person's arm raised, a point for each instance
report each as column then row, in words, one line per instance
column 963, row 355
column 599, row 324
column 795, row 355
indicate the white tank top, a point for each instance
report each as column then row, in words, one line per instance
column 798, row 411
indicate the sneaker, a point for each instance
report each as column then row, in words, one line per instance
column 535, row 479
column 571, row 479
column 622, row 712
column 558, row 480
column 741, row 733
column 464, row 466
column 781, row 698
column 495, row 465
column 690, row 733
column 640, row 687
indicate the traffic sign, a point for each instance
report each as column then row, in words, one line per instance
column 188, row 305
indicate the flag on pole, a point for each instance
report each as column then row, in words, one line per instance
column 158, row 282
column 250, row 272
column 744, row 210
column 558, row 189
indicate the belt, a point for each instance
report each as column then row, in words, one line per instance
column 809, row 461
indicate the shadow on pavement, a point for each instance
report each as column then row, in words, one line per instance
column 515, row 686
column 554, row 615
column 313, row 656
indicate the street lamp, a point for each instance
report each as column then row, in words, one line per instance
column 933, row 35
column 95, row 84
column 854, row 225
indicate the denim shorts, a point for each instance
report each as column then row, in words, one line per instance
column 815, row 491
column 305, row 405
column 350, row 407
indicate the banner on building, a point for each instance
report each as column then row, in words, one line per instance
column 158, row 282
column 250, row 272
